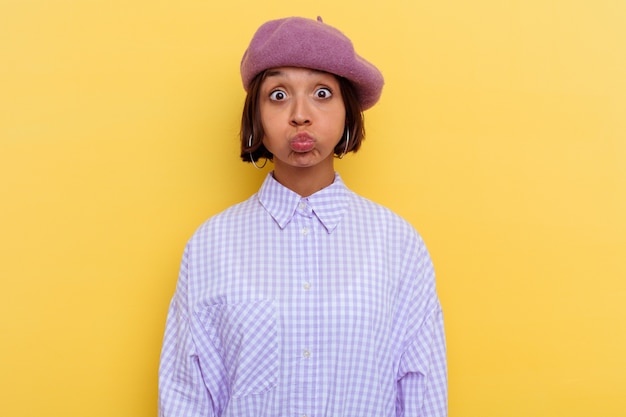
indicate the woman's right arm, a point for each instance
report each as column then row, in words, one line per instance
column 183, row 389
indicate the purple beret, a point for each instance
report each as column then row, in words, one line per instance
column 306, row 43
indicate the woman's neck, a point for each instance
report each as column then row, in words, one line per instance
column 305, row 180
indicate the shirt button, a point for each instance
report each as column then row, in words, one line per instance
column 305, row 231
column 302, row 206
column 306, row 354
column 306, row 286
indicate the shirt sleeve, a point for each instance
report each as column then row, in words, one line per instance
column 422, row 375
column 183, row 391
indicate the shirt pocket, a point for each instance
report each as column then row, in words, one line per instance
column 246, row 337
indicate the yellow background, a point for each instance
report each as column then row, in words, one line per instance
column 501, row 136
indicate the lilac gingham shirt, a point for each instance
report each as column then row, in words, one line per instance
column 322, row 306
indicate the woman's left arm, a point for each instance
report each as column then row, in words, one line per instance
column 422, row 375
column 423, row 382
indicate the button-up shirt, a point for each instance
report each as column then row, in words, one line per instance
column 323, row 306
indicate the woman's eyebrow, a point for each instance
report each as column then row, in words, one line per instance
column 277, row 72
column 274, row 73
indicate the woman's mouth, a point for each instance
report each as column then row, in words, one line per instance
column 302, row 142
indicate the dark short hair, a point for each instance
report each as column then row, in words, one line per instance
column 251, row 125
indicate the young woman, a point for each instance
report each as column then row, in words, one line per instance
column 306, row 299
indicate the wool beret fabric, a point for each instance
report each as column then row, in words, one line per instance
column 307, row 43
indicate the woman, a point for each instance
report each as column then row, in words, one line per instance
column 306, row 299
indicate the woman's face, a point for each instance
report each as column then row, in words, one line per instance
column 303, row 116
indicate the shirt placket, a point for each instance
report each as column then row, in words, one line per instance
column 308, row 264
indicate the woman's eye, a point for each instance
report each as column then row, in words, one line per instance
column 323, row 93
column 277, row 95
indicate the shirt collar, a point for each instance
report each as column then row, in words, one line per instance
column 328, row 205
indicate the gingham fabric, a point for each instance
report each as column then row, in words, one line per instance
column 322, row 306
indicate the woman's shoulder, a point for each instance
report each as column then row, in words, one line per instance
column 379, row 214
column 229, row 217
column 373, row 208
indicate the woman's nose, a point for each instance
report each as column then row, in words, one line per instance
column 300, row 112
